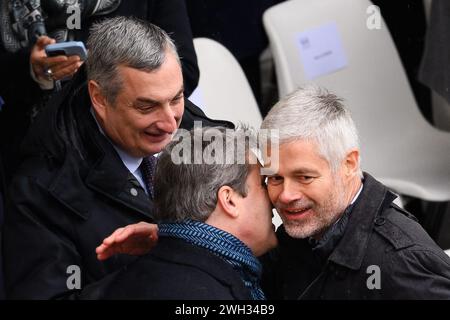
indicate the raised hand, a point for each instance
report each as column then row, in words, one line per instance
column 60, row 66
column 134, row 239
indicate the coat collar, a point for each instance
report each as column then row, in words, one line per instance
column 352, row 248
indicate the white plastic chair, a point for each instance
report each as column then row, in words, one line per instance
column 398, row 146
column 223, row 91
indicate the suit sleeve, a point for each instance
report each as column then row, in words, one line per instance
column 40, row 254
column 37, row 250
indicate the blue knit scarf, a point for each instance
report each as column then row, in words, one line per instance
column 222, row 244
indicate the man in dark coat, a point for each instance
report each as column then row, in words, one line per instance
column 89, row 159
column 342, row 235
column 169, row 15
column 383, row 253
column 208, row 243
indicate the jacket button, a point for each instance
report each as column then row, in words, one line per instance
column 133, row 192
column 380, row 221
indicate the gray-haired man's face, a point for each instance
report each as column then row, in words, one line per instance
column 307, row 194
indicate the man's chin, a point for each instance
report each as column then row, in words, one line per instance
column 155, row 147
column 302, row 230
column 297, row 231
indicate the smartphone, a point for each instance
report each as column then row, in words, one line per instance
column 69, row 48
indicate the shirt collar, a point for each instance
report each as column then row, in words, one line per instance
column 132, row 163
column 358, row 193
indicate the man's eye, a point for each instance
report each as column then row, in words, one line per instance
column 177, row 100
column 306, row 179
column 145, row 108
column 274, row 180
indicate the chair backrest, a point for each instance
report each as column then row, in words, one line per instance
column 373, row 82
column 223, row 91
column 369, row 75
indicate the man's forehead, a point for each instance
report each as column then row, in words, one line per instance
column 303, row 145
column 159, row 90
column 294, row 155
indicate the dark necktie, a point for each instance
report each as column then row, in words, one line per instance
column 147, row 168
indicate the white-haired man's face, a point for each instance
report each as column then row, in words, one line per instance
column 307, row 194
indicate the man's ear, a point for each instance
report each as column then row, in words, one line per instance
column 227, row 199
column 98, row 100
column 351, row 163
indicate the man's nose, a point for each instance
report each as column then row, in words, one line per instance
column 289, row 193
column 168, row 119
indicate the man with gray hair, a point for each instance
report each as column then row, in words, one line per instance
column 89, row 160
column 214, row 217
column 342, row 236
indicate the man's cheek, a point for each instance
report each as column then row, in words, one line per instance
column 179, row 114
column 273, row 194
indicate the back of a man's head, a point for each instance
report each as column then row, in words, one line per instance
column 194, row 166
column 124, row 41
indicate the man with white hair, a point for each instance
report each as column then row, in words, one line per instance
column 342, row 235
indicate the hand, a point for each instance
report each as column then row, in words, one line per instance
column 61, row 66
column 134, row 239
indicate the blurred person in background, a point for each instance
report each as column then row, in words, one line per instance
column 25, row 66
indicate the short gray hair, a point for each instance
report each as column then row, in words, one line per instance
column 313, row 113
column 125, row 41
column 189, row 190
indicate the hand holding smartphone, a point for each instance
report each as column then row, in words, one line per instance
column 69, row 48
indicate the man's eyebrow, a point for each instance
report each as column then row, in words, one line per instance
column 151, row 101
column 180, row 92
column 298, row 171
column 146, row 100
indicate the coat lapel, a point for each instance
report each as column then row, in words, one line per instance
column 352, row 248
column 113, row 180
